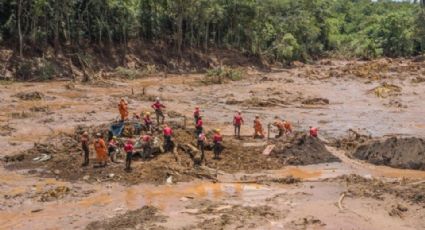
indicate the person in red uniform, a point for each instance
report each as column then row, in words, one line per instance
column 196, row 114
column 112, row 148
column 158, row 106
column 148, row 122
column 237, row 122
column 313, row 131
column 85, row 147
column 217, row 140
column 168, row 132
column 146, row 144
column 199, row 126
column 128, row 148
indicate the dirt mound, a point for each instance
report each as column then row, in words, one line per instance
column 316, row 101
column 303, row 150
column 352, row 140
column 29, row 96
column 396, row 152
column 410, row 191
column 143, row 218
column 225, row 216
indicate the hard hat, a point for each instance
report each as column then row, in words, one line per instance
column 114, row 137
column 98, row 134
column 157, row 99
column 85, row 133
column 217, row 130
column 148, row 113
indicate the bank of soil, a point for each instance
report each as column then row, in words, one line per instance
column 406, row 153
column 63, row 158
column 146, row 217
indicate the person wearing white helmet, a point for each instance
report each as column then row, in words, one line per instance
column 158, row 106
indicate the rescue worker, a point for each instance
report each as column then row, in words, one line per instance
column 112, row 148
column 237, row 122
column 85, row 147
column 128, row 148
column 146, row 141
column 258, row 128
column 158, row 106
column 199, row 126
column 288, row 127
column 101, row 151
column 147, row 121
column 196, row 114
column 123, row 109
column 168, row 132
column 217, row 140
column 313, row 131
column 202, row 140
column 280, row 126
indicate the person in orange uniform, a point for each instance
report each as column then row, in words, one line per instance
column 280, row 126
column 123, row 108
column 288, row 127
column 101, row 151
column 258, row 128
column 217, row 140
column 237, row 122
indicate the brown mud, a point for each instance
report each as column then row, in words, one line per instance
column 245, row 188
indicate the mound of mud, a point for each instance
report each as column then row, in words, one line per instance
column 303, row 150
column 143, row 218
column 406, row 153
column 28, row 96
column 315, row 101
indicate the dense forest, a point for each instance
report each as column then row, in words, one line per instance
column 275, row 30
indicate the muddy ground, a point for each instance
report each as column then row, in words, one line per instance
column 346, row 175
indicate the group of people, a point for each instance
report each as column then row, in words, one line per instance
column 105, row 153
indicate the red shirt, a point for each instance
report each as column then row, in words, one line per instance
column 146, row 138
column 147, row 120
column 157, row 105
column 128, row 147
column 199, row 124
column 313, row 132
column 217, row 138
column 196, row 113
column 168, row 131
column 113, row 143
column 238, row 119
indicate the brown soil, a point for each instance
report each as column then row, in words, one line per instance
column 215, row 216
column 146, row 217
column 409, row 191
column 302, row 149
column 408, row 153
column 27, row 96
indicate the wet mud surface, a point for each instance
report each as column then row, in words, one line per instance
column 381, row 100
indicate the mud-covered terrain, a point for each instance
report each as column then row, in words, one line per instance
column 371, row 177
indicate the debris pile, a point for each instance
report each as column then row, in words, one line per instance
column 316, row 101
column 302, row 149
column 407, row 153
column 30, row 96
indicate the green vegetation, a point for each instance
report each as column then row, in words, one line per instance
column 222, row 74
column 277, row 30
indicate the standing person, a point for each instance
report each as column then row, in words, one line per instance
column 123, row 109
column 258, row 128
column 158, row 106
column 146, row 144
column 280, row 126
column 85, row 147
column 237, row 122
column 313, row 131
column 147, row 121
column 168, row 132
column 101, row 151
column 202, row 139
column 196, row 114
column 112, row 148
column 128, row 148
column 199, row 126
column 218, row 148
